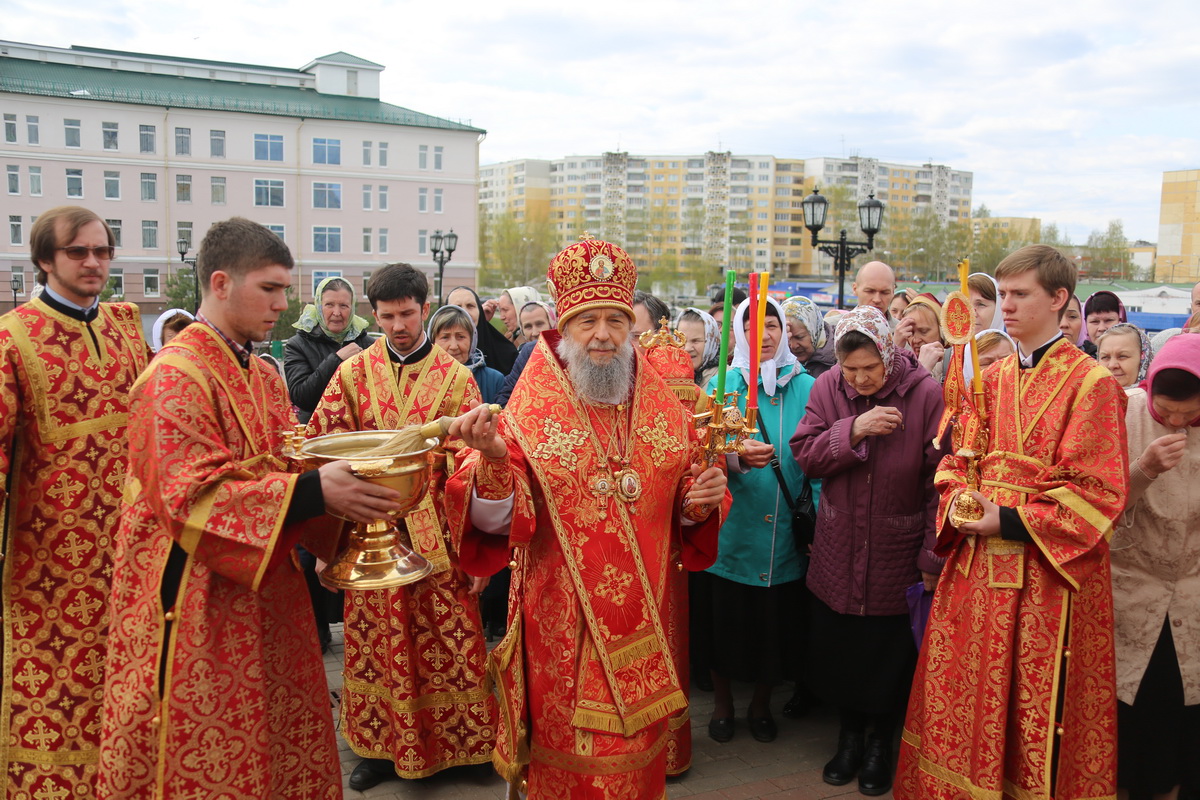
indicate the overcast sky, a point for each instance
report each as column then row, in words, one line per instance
column 1068, row 111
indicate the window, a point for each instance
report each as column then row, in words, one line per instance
column 268, row 147
column 149, row 234
column 437, row 201
column 268, row 193
column 327, row 239
column 366, row 240
column 183, row 188
column 74, row 183
column 321, row 274
column 217, row 187
column 116, row 281
column 150, row 285
column 14, row 230
column 71, row 132
column 145, row 138
column 14, row 178
column 366, row 197
column 20, row 276
column 32, row 130
column 422, row 200
column 112, row 185
column 183, row 230
column 383, row 201
column 437, row 158
column 115, row 226
column 183, row 141
column 35, row 181
column 366, row 282
column 216, row 144
column 10, row 128
column 109, row 132
column 149, row 186
column 383, row 240
column 327, row 151
column 423, row 156
column 383, row 153
column 422, row 242
column 327, row 195
column 277, row 230
column 366, row 154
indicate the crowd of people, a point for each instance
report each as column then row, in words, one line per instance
column 1007, row 588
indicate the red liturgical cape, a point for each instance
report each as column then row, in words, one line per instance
column 585, row 674
column 64, row 402
column 218, row 689
column 1015, row 693
column 415, row 683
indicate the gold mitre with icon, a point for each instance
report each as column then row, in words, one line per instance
column 591, row 274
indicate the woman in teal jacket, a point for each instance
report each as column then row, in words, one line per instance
column 758, row 578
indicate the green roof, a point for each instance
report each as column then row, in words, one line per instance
column 23, row 76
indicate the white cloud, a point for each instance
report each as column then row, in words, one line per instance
column 1069, row 111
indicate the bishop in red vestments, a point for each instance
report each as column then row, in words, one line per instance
column 1015, row 693
column 215, row 685
column 67, row 363
column 589, row 476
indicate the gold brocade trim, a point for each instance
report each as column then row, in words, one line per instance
column 273, row 539
column 680, row 720
column 600, row 765
column 420, row 702
column 960, row 782
column 1056, row 681
column 643, row 644
column 493, row 478
column 52, row 757
column 197, row 521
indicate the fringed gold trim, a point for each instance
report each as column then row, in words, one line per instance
column 625, row 655
column 606, row 722
column 655, row 712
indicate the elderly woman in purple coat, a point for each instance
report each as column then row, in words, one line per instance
column 868, row 432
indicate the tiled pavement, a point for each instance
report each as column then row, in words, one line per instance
column 787, row 769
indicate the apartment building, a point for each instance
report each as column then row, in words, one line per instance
column 162, row 147
column 520, row 188
column 717, row 209
column 1178, row 257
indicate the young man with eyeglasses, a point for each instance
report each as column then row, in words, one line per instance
column 67, row 363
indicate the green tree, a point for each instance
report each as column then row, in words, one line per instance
column 283, row 326
column 1108, row 253
column 1054, row 237
column 181, row 289
column 515, row 252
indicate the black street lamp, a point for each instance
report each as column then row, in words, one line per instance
column 181, row 245
column 443, row 248
column 17, row 284
column 870, row 218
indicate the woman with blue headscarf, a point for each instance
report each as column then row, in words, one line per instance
column 329, row 333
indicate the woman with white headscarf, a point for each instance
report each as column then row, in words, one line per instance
column 168, row 324
column 757, row 578
column 868, row 434
column 810, row 338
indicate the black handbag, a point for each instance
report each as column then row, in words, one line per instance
column 804, row 513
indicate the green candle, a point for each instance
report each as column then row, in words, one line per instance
column 725, row 323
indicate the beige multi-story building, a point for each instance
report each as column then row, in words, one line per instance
column 1178, row 257
column 1027, row 229
column 706, row 212
column 520, row 188
column 162, row 147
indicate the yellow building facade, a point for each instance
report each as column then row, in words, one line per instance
column 1178, row 258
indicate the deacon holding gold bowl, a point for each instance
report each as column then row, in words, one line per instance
column 584, row 482
column 414, row 699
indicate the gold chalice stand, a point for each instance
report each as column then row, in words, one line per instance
column 377, row 556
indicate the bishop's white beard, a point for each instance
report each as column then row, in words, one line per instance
column 599, row 383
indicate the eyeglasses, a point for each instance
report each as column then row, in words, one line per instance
column 79, row 252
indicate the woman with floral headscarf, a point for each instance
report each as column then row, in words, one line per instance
column 756, row 580
column 868, row 434
column 1156, row 581
column 1125, row 351
column 809, row 337
column 329, row 333
column 702, row 342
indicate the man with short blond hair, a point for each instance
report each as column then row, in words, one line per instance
column 67, row 362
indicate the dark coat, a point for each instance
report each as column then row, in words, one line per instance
column 309, row 361
column 875, row 523
column 820, row 361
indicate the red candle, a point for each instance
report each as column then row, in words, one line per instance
column 755, row 342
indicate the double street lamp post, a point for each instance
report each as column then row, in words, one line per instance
column 443, row 246
column 182, row 245
column 870, row 217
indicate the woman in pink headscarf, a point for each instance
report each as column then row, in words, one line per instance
column 1156, row 580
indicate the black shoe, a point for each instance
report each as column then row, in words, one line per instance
column 371, row 772
column 720, row 729
column 762, row 728
column 875, row 777
column 844, row 766
column 800, row 704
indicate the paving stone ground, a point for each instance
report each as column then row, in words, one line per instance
column 787, row 769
